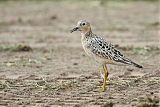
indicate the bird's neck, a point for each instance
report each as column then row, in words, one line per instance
column 86, row 33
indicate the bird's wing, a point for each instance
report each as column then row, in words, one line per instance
column 105, row 49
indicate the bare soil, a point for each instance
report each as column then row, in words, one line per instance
column 42, row 64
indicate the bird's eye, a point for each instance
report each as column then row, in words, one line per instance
column 83, row 24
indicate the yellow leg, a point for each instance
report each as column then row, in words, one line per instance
column 107, row 73
column 105, row 77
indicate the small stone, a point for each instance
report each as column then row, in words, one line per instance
column 75, row 63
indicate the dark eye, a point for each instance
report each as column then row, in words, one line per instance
column 83, row 24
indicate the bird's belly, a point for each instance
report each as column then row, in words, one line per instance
column 103, row 60
column 88, row 51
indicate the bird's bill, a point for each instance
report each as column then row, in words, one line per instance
column 74, row 29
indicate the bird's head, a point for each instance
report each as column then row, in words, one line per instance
column 83, row 26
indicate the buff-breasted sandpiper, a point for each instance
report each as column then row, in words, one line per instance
column 101, row 50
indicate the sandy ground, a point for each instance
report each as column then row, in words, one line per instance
column 57, row 72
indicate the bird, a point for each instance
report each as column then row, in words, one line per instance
column 101, row 50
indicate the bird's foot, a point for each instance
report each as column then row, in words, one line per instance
column 103, row 88
column 103, row 84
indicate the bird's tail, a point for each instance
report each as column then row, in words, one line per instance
column 129, row 62
column 136, row 65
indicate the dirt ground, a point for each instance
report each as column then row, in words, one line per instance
column 53, row 69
